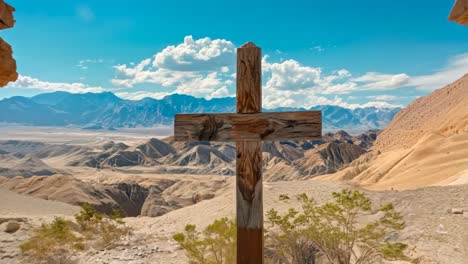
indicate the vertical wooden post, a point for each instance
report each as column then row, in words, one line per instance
column 249, row 187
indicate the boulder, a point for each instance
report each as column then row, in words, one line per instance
column 456, row 211
column 198, row 197
column 12, row 226
column 6, row 15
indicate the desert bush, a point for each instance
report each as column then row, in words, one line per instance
column 58, row 241
column 346, row 230
column 287, row 244
column 51, row 243
column 215, row 245
column 340, row 232
column 105, row 231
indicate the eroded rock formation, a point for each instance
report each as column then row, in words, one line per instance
column 459, row 12
column 7, row 63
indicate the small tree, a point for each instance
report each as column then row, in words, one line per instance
column 339, row 230
column 215, row 245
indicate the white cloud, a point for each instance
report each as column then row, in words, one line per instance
column 197, row 55
column 304, row 100
column 376, row 104
column 206, row 68
column 381, row 81
column 291, row 84
column 195, row 67
column 209, row 86
column 290, row 75
column 384, row 97
column 33, row 83
column 455, row 69
column 84, row 64
column 318, row 48
column 140, row 95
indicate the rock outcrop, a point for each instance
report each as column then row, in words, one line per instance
column 459, row 12
column 7, row 63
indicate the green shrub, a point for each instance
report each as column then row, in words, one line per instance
column 103, row 230
column 88, row 217
column 338, row 231
column 215, row 245
column 52, row 241
column 346, row 230
column 58, row 241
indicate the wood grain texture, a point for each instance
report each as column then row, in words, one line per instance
column 249, row 79
column 248, row 127
column 250, row 247
column 249, row 187
column 249, row 184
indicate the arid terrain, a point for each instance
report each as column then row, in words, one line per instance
column 419, row 163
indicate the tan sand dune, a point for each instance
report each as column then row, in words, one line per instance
column 426, row 144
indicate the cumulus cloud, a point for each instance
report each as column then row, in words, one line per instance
column 290, row 74
column 455, row 69
column 33, row 83
column 291, row 84
column 195, row 67
column 206, row 68
column 196, row 55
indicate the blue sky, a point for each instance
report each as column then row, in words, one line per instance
column 348, row 53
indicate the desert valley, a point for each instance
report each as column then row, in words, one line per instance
column 344, row 140
column 418, row 162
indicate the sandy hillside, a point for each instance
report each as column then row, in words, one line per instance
column 28, row 212
column 426, row 144
column 16, row 204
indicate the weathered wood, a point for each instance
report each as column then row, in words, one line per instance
column 249, row 79
column 250, row 247
column 249, row 194
column 247, row 127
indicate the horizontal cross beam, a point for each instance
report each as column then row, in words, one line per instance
column 248, row 127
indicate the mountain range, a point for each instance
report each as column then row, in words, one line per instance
column 108, row 111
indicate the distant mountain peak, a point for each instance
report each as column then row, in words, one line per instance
column 108, row 111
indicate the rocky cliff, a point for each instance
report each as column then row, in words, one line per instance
column 7, row 63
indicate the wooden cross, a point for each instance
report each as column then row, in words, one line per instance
column 248, row 128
